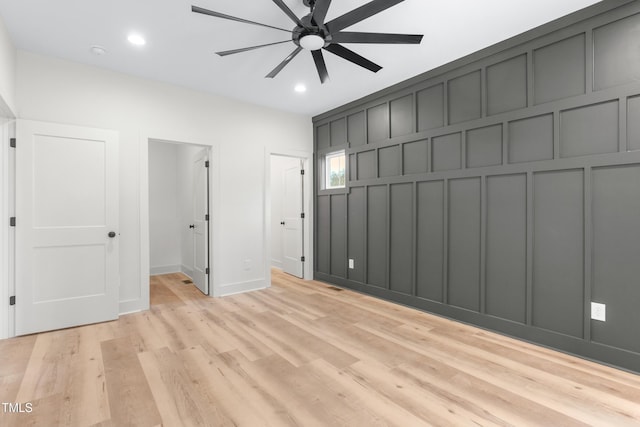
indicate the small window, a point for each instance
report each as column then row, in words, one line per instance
column 335, row 171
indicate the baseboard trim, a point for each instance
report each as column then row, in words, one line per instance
column 600, row 353
column 165, row 269
column 130, row 306
column 240, row 287
column 186, row 270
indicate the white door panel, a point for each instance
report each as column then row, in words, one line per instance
column 292, row 235
column 66, row 206
column 201, row 225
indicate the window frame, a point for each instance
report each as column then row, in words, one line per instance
column 327, row 169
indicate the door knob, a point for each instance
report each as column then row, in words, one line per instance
column 192, row 226
column 281, row 222
column 112, row 234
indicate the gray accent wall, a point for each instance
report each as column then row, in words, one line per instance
column 502, row 189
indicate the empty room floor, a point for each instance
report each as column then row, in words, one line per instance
column 299, row 353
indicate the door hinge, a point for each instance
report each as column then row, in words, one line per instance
column 302, row 215
column 12, row 221
column 302, row 258
column 12, row 300
column 206, row 164
column 301, row 171
column 206, row 270
column 206, row 217
column 12, row 143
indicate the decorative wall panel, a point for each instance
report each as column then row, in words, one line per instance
column 430, row 106
column 507, row 85
column 503, row 189
column 559, row 70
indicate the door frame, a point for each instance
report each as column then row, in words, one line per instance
column 7, row 233
column 307, row 201
column 143, row 303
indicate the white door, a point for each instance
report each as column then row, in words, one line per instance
column 292, row 239
column 66, row 226
column 200, row 222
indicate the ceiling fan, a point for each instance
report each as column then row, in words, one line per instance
column 312, row 33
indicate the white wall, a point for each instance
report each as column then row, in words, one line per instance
column 164, row 209
column 7, row 73
column 278, row 165
column 241, row 135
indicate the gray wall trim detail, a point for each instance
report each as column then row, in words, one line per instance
column 528, row 36
column 522, row 212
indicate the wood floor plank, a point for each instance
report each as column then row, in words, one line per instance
column 370, row 400
column 44, row 412
column 300, row 353
column 291, row 342
column 512, row 377
column 130, row 398
column 226, row 385
column 430, row 403
column 161, row 293
column 313, row 402
column 14, row 358
column 85, row 400
column 178, row 400
column 274, row 302
column 233, row 332
column 481, row 397
column 49, row 365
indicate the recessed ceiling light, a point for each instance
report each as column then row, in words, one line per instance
column 300, row 88
column 98, row 50
column 136, row 39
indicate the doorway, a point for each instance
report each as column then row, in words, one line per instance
column 287, row 214
column 178, row 211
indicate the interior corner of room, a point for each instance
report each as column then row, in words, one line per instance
column 499, row 189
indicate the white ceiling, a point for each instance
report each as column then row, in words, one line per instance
column 181, row 44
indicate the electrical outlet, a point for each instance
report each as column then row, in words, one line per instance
column 352, row 264
column 599, row 311
column 246, row 265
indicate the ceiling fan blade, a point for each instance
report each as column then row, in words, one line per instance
column 284, row 63
column 348, row 37
column 289, row 12
column 320, row 65
column 203, row 11
column 245, row 49
column 320, row 11
column 351, row 56
column 359, row 14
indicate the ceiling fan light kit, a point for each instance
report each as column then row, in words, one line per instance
column 313, row 34
column 311, row 42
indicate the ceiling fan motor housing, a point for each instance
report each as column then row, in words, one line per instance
column 310, row 29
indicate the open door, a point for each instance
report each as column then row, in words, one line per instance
column 66, row 226
column 293, row 258
column 200, row 225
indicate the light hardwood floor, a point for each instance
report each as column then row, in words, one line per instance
column 300, row 353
